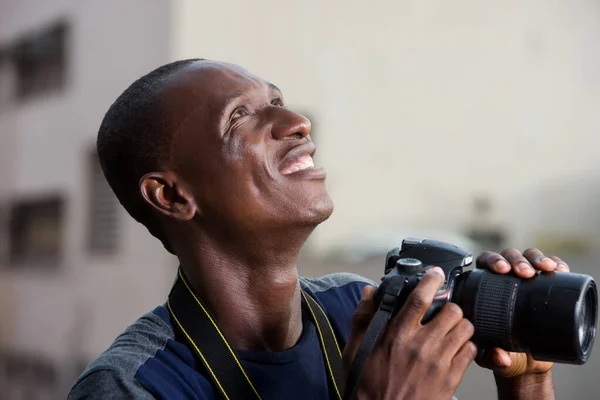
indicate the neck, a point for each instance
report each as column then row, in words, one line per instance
column 252, row 289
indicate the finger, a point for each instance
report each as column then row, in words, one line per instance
column 418, row 302
column 494, row 359
column 458, row 336
column 539, row 260
column 493, row 261
column 364, row 311
column 360, row 321
column 517, row 365
column 449, row 316
column 500, row 358
column 561, row 265
column 519, row 264
column 464, row 357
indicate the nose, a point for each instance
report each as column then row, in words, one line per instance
column 289, row 124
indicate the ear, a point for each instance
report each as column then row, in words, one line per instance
column 163, row 192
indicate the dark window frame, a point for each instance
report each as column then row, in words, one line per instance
column 24, row 250
column 103, row 212
column 41, row 61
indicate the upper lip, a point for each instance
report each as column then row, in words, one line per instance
column 298, row 151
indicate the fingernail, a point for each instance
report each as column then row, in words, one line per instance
column 503, row 264
column 365, row 293
column 505, row 359
column 437, row 270
column 544, row 259
column 499, row 359
column 524, row 267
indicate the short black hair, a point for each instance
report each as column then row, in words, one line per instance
column 134, row 137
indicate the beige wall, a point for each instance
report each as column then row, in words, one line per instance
column 420, row 105
column 444, row 99
column 45, row 143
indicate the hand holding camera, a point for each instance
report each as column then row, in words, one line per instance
column 414, row 361
column 525, row 265
column 521, row 320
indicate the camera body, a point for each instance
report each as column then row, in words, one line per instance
column 405, row 266
column 552, row 316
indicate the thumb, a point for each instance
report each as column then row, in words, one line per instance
column 514, row 365
column 360, row 321
column 504, row 364
column 364, row 311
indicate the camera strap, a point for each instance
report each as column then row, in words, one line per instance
column 204, row 337
column 373, row 334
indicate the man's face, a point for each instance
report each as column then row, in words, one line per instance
column 246, row 158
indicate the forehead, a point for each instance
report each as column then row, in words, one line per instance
column 214, row 82
column 197, row 97
column 202, row 91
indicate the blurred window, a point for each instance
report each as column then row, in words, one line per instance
column 6, row 79
column 29, row 377
column 103, row 228
column 4, row 253
column 40, row 61
column 35, row 231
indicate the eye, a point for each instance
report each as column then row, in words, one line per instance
column 278, row 103
column 240, row 112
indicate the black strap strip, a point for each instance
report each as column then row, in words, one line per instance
column 202, row 333
column 204, row 336
column 329, row 345
column 370, row 339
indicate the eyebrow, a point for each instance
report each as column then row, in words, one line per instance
column 274, row 87
column 235, row 96
column 241, row 93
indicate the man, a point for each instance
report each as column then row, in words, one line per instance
column 209, row 159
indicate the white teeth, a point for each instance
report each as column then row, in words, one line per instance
column 300, row 164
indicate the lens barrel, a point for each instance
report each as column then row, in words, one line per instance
column 553, row 316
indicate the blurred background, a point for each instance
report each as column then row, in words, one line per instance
column 475, row 122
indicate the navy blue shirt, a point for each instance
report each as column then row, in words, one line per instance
column 149, row 361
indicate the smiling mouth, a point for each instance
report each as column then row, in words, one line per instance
column 300, row 164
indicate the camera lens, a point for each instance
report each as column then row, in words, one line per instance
column 584, row 326
column 587, row 319
column 553, row 316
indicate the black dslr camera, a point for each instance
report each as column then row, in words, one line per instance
column 552, row 315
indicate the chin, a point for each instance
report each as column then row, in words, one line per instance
column 320, row 210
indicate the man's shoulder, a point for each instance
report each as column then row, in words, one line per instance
column 138, row 342
column 113, row 372
column 338, row 294
column 334, row 281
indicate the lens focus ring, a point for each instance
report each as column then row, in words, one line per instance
column 494, row 307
